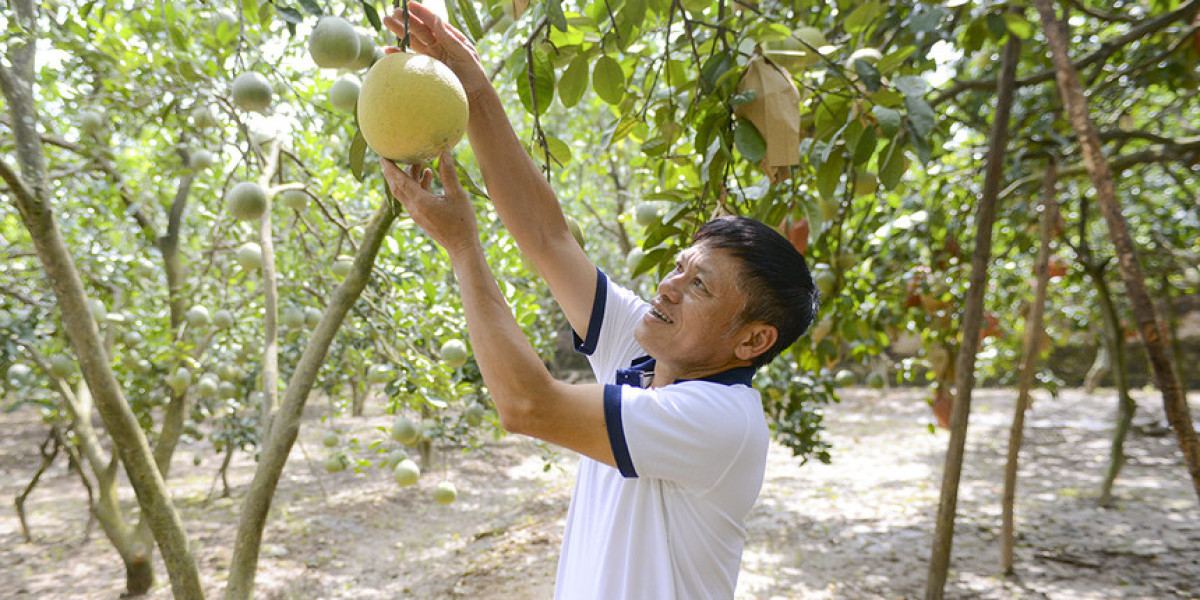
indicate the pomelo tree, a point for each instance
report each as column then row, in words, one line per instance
column 130, row 130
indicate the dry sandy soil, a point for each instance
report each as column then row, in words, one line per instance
column 855, row 529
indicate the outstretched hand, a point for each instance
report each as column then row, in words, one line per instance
column 449, row 218
column 432, row 36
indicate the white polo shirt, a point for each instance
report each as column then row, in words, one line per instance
column 669, row 522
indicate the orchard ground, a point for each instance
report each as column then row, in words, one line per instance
column 858, row 528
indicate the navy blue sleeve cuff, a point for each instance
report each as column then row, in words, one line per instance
column 616, row 430
column 588, row 346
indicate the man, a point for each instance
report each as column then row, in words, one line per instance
column 673, row 438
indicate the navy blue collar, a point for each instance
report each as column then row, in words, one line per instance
column 641, row 372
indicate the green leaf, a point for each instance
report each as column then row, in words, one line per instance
column 911, row 85
column 919, row 143
column 608, row 79
column 554, row 13
column 868, row 74
column 828, row 175
column 466, row 13
column 864, row 147
column 714, row 69
column 925, row 19
column 311, row 7
column 892, row 165
column 358, row 152
column 621, row 128
column 574, row 81
column 889, row 120
column 372, row 14
column 1018, row 26
column 749, row 141
column 862, row 16
column 290, row 16
column 921, row 115
column 543, row 80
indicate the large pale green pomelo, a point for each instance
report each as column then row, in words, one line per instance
column 251, row 91
column 333, row 43
column 411, row 108
column 246, row 201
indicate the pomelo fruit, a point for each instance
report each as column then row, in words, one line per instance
column 246, row 201
column 333, row 43
column 454, row 353
column 343, row 94
column 411, row 108
column 251, row 91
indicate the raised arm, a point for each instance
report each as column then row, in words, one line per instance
column 522, row 196
column 528, row 399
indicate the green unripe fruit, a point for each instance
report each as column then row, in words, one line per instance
column 61, row 366
column 91, row 122
column 394, row 458
column 366, row 52
column 473, row 415
column 292, row 317
column 294, row 199
column 870, row 56
column 312, row 317
column 454, row 353
column 180, row 380
column 222, row 319
column 406, row 473
column 405, row 431
column 343, row 94
column 246, row 201
column 633, row 258
column 227, row 390
column 646, row 214
column 876, row 381
column 379, row 374
column 343, row 266
column 98, row 310
column 330, row 439
column 200, row 160
column 207, row 386
column 249, row 255
column 251, row 91
column 845, row 378
column 333, row 43
column 825, row 280
column 19, row 374
column 197, row 316
column 335, row 463
column 576, row 230
column 445, row 493
column 203, row 116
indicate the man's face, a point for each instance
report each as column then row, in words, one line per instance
column 691, row 323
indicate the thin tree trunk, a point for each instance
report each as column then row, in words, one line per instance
column 49, row 451
column 1029, row 361
column 30, row 190
column 270, row 360
column 285, row 425
column 943, row 539
column 1125, row 404
column 1174, row 399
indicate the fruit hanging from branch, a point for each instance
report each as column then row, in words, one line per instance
column 411, row 108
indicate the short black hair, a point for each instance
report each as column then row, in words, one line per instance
column 775, row 278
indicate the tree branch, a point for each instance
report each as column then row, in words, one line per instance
column 1101, row 54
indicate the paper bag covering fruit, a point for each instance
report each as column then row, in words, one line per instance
column 775, row 112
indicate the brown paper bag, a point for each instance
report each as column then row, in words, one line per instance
column 775, row 112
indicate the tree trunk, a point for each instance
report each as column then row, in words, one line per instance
column 139, row 576
column 285, row 425
column 1029, row 360
column 1174, row 399
column 939, row 562
column 1125, row 405
column 30, row 190
column 270, row 361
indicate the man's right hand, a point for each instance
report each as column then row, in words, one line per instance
column 432, row 36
